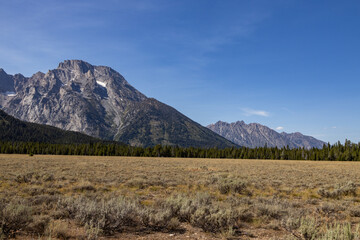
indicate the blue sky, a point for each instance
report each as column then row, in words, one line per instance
column 293, row 65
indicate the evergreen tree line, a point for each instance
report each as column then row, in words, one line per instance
column 337, row 152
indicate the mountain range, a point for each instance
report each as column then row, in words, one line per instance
column 256, row 135
column 99, row 102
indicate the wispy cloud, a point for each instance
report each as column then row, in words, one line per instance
column 250, row 112
column 329, row 128
column 279, row 128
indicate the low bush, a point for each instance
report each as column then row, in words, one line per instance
column 339, row 191
column 92, row 231
column 226, row 185
column 58, row 229
column 159, row 219
column 39, row 224
column 271, row 208
column 108, row 215
column 214, row 219
column 13, row 218
column 84, row 186
column 137, row 182
column 329, row 209
column 202, row 211
column 113, row 215
column 184, row 207
column 354, row 211
column 308, row 228
column 24, row 178
column 340, row 231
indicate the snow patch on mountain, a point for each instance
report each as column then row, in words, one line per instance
column 10, row 94
column 101, row 84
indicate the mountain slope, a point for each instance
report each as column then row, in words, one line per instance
column 301, row 140
column 257, row 135
column 158, row 123
column 98, row 101
column 12, row 129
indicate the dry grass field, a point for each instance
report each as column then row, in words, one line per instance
column 80, row 197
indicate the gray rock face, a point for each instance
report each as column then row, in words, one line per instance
column 256, row 135
column 6, row 82
column 77, row 96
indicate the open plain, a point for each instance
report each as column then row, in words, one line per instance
column 81, row 197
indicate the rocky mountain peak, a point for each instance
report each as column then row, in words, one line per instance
column 19, row 75
column 83, row 73
column 76, row 65
column 219, row 123
column 38, row 75
column 3, row 73
column 240, row 122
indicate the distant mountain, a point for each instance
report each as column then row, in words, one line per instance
column 98, row 101
column 12, row 129
column 302, row 140
column 257, row 135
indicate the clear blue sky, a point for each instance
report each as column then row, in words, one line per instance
column 291, row 64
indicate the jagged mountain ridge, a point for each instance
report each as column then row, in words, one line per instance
column 15, row 130
column 98, row 101
column 256, row 135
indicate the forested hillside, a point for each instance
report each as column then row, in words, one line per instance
column 14, row 130
column 337, row 152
